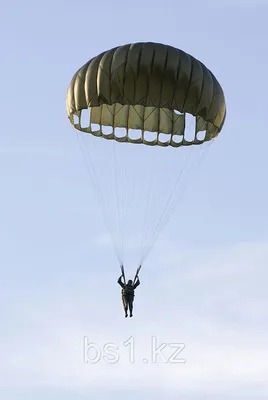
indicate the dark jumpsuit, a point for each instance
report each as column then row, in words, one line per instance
column 128, row 294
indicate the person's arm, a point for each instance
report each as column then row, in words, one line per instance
column 120, row 282
column 137, row 283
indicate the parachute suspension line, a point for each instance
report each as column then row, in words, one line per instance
column 204, row 149
column 183, row 186
column 137, row 275
column 122, row 209
column 123, row 273
column 117, row 200
column 124, row 204
column 159, row 224
column 165, row 217
column 126, row 184
column 93, row 175
column 144, row 230
column 156, row 202
column 122, row 181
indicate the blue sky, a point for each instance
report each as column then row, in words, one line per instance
column 203, row 285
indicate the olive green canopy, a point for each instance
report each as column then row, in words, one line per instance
column 148, row 87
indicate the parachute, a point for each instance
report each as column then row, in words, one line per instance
column 144, row 114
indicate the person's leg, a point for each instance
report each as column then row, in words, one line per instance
column 131, row 299
column 125, row 303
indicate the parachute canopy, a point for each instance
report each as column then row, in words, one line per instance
column 143, row 93
column 147, row 87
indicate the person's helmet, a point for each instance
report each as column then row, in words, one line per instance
column 129, row 282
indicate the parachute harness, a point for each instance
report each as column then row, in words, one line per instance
column 136, row 275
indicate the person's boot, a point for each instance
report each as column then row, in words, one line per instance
column 131, row 313
column 126, row 315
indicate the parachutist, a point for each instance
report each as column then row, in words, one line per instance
column 128, row 290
